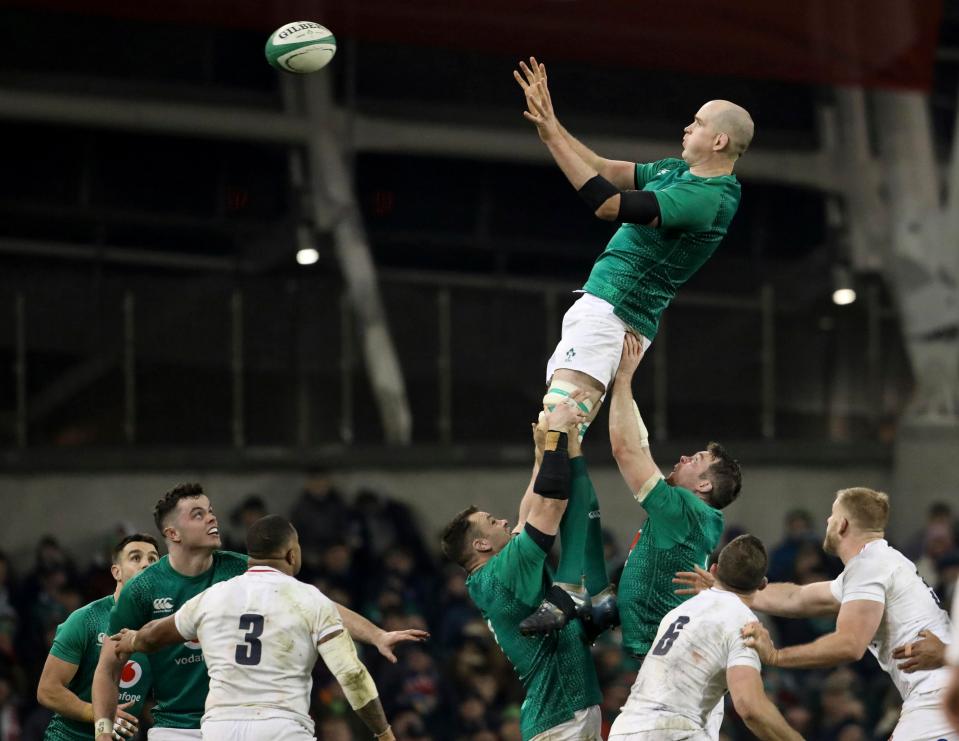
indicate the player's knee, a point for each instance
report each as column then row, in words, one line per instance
column 559, row 391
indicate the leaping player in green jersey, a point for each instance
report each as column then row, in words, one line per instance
column 509, row 576
column 194, row 562
column 674, row 214
column 67, row 678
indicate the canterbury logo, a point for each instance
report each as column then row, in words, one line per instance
column 163, row 603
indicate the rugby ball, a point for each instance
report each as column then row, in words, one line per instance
column 300, row 47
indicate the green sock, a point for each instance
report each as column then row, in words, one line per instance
column 594, row 558
column 574, row 527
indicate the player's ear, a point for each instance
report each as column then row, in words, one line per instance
column 763, row 584
column 170, row 533
column 482, row 545
column 714, row 568
column 721, row 141
column 115, row 571
column 704, row 485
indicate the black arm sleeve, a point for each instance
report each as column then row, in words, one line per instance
column 544, row 541
column 552, row 481
column 638, row 207
column 596, row 191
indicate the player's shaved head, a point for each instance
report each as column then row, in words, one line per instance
column 270, row 537
column 457, row 536
column 732, row 120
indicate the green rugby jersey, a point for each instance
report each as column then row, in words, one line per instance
column 556, row 670
column 179, row 673
column 681, row 530
column 78, row 642
column 642, row 267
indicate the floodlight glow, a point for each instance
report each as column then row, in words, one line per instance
column 307, row 256
column 843, row 296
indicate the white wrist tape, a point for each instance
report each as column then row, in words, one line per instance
column 339, row 653
column 104, row 725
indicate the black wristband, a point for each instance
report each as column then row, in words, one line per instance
column 544, row 541
column 596, row 191
column 552, row 481
column 638, row 207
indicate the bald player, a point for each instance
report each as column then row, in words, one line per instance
column 674, row 213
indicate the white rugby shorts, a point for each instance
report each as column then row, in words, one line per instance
column 592, row 340
column 174, row 734
column 265, row 729
column 586, row 725
column 923, row 719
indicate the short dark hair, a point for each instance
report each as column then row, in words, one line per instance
column 456, row 537
column 269, row 537
column 133, row 538
column 168, row 502
column 725, row 475
column 742, row 563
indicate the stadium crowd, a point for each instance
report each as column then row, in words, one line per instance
column 370, row 553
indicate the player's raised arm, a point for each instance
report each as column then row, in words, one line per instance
column 627, row 434
column 607, row 201
column 620, row 173
column 754, row 707
column 551, row 487
column 365, row 631
column 339, row 654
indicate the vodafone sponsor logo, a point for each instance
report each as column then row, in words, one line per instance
column 131, row 674
column 163, row 604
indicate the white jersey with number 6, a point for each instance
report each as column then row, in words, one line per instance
column 683, row 676
column 259, row 633
column 880, row 573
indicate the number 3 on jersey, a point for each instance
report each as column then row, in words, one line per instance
column 249, row 652
column 671, row 634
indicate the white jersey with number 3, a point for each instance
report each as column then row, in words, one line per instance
column 259, row 633
column 880, row 573
column 683, row 676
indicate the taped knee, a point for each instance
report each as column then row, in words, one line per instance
column 558, row 392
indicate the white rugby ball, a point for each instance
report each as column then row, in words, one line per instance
column 300, row 47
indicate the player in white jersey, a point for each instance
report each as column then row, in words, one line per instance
column 698, row 654
column 880, row 602
column 261, row 633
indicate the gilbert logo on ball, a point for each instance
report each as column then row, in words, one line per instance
column 130, row 675
column 301, row 47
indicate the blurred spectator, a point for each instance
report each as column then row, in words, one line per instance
column 939, row 515
column 9, row 722
column 840, row 704
column 251, row 509
column 948, row 573
column 456, row 609
column 799, row 530
column 939, row 540
column 321, row 517
column 384, row 523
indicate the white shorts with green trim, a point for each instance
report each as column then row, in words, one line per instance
column 592, row 340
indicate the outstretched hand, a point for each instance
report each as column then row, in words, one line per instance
column 631, row 358
column 695, row 581
column 539, row 105
column 388, row 639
